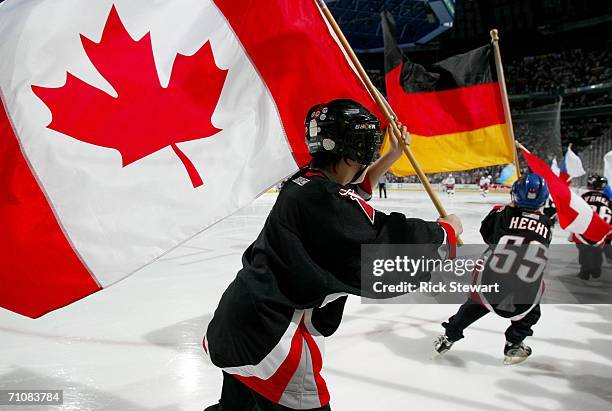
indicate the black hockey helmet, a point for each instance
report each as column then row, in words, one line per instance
column 597, row 182
column 345, row 128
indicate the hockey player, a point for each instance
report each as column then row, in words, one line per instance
column 268, row 331
column 519, row 223
column 449, row 183
column 484, row 185
column 481, row 184
column 590, row 255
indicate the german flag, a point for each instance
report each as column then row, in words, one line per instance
column 454, row 111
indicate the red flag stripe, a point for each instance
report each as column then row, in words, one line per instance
column 297, row 58
column 446, row 112
column 32, row 240
column 575, row 215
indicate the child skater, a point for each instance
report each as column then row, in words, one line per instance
column 590, row 255
column 268, row 331
column 506, row 229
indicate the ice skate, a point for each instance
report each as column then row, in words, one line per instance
column 584, row 276
column 516, row 353
column 442, row 344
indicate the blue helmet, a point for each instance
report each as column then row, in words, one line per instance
column 530, row 192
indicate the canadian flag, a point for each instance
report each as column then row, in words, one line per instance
column 575, row 214
column 127, row 128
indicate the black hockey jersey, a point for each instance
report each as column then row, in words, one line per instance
column 515, row 260
column 602, row 205
column 512, row 221
column 295, row 279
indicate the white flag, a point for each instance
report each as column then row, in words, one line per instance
column 573, row 164
column 555, row 167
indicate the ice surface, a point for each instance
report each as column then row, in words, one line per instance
column 137, row 345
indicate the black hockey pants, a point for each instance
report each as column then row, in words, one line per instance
column 470, row 311
column 382, row 187
column 590, row 258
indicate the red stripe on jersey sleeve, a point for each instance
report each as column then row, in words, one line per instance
column 366, row 184
column 451, row 238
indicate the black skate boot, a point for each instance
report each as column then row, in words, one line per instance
column 442, row 344
column 584, row 275
column 516, row 353
column 216, row 407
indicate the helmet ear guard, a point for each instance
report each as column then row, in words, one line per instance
column 345, row 128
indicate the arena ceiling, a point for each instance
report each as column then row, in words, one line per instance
column 417, row 21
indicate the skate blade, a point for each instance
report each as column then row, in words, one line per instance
column 437, row 355
column 513, row 360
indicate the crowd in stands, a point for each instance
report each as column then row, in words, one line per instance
column 557, row 72
column 583, row 130
column 378, row 79
column 570, row 101
column 586, row 100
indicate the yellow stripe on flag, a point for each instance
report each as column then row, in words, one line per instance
column 487, row 146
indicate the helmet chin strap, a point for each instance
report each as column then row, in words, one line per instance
column 358, row 174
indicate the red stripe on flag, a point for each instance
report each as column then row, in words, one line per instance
column 560, row 192
column 565, row 177
column 39, row 270
column 298, row 59
column 597, row 229
column 448, row 111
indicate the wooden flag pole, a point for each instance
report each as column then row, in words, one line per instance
column 386, row 109
column 504, row 95
column 417, row 167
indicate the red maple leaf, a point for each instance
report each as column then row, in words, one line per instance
column 144, row 117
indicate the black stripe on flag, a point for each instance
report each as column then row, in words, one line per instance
column 467, row 69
